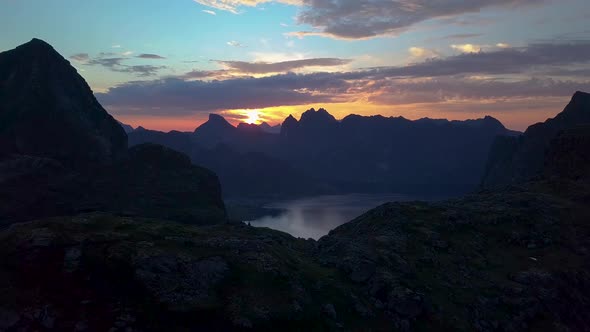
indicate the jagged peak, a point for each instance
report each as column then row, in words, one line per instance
column 321, row 114
column 290, row 118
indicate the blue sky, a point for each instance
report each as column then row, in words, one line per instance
column 128, row 49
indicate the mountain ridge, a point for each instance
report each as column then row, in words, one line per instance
column 518, row 159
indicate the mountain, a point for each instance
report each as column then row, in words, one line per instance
column 242, row 174
column 509, row 259
column 61, row 153
column 48, row 110
column 517, row 159
column 126, row 127
column 270, row 129
column 568, row 155
column 377, row 153
column 356, row 154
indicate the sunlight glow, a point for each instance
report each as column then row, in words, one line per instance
column 253, row 116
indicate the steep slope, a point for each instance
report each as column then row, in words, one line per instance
column 48, row 110
column 518, row 159
column 568, row 155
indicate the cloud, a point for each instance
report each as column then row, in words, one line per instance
column 127, row 53
column 234, row 43
column 106, row 62
column 496, row 75
column 210, row 12
column 115, row 63
column 140, row 70
column 150, row 56
column 233, row 5
column 449, row 89
column 358, row 19
column 116, row 46
column 80, row 57
column 467, row 48
column 514, row 60
column 463, row 36
column 181, row 96
column 280, row 67
column 421, row 52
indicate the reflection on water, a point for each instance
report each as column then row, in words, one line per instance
column 314, row 217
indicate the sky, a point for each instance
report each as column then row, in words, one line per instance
column 168, row 64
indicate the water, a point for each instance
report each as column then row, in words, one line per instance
column 314, row 217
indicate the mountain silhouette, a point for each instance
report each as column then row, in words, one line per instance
column 356, row 154
column 518, row 159
column 61, row 153
column 47, row 109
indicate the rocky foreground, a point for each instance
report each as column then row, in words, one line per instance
column 508, row 260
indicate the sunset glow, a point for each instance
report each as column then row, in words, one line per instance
column 253, row 117
column 267, row 59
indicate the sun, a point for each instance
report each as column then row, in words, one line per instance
column 253, row 116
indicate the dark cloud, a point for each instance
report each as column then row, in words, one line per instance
column 150, row 56
column 140, row 70
column 354, row 19
column 463, row 36
column 115, row 63
column 503, row 61
column 445, row 89
column 205, row 74
column 500, row 76
column 80, row 57
column 181, row 96
column 111, row 63
column 281, row 67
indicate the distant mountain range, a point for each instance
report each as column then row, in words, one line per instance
column 319, row 154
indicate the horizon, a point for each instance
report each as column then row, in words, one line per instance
column 166, row 65
column 298, row 118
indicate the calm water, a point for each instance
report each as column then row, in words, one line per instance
column 314, row 217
